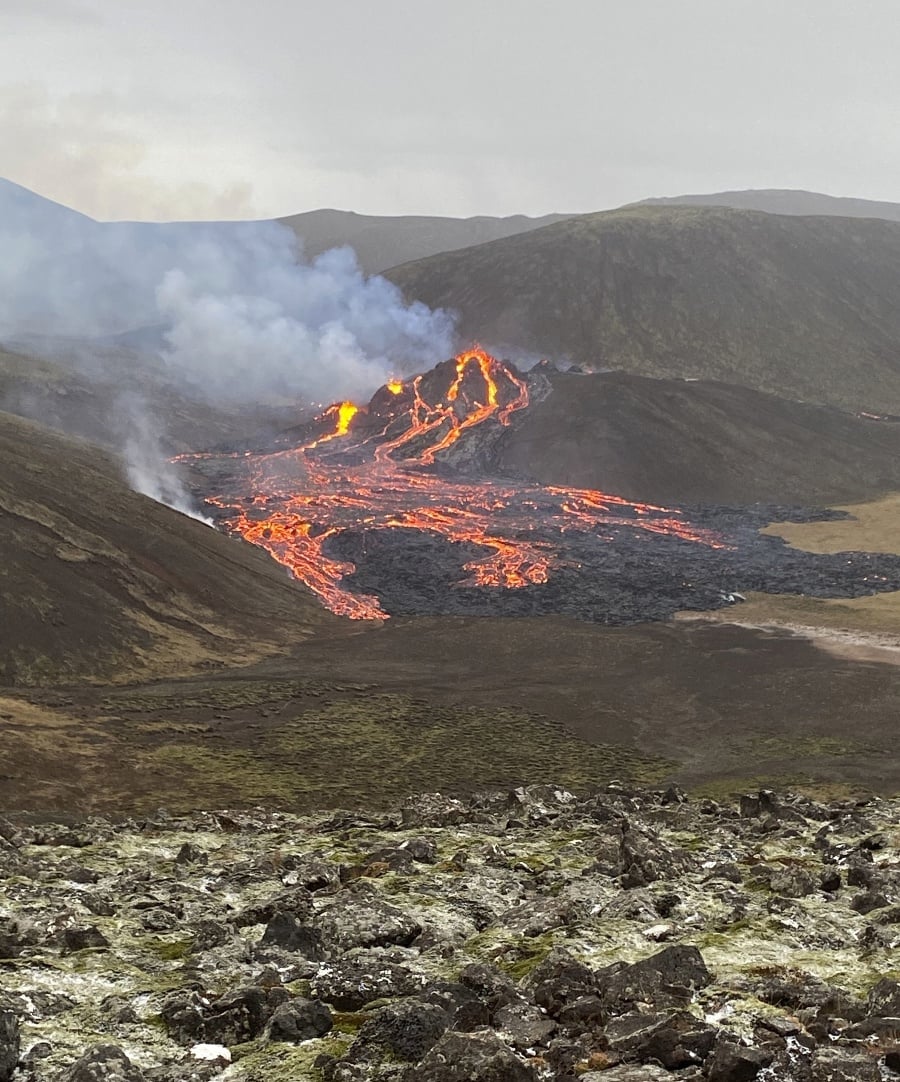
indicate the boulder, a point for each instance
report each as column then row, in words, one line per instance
column 104, row 1063
column 299, row 1020
column 464, row 1057
column 733, row 1062
column 286, row 931
column 675, row 1039
column 400, row 1031
column 9, row 1044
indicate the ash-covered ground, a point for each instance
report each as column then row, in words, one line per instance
column 624, row 575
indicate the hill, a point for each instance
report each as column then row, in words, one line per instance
column 102, row 401
column 100, row 582
column 382, row 242
column 784, row 201
column 676, row 441
column 800, row 307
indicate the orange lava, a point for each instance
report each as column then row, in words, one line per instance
column 374, row 475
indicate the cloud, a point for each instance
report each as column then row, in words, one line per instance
column 83, row 150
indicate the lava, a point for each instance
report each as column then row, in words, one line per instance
column 373, row 469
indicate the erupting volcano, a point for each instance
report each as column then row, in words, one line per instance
column 391, row 466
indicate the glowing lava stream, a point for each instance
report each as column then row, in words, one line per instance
column 291, row 502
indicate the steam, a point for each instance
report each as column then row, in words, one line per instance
column 146, row 466
column 227, row 313
column 322, row 330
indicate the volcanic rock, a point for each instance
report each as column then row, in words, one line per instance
column 9, row 1044
column 460, row 1057
column 299, row 1020
column 104, row 1063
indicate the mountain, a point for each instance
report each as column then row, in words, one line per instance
column 784, row 201
column 676, row 441
column 100, row 582
column 803, row 307
column 382, row 242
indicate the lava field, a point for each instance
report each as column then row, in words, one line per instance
column 390, row 509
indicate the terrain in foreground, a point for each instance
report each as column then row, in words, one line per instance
column 518, row 935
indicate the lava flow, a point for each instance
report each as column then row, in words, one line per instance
column 375, row 468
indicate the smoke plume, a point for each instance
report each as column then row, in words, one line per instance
column 227, row 313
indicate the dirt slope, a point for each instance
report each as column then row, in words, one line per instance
column 98, row 582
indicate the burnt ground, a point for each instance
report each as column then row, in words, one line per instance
column 620, row 575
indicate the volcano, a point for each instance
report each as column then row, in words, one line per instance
column 385, row 509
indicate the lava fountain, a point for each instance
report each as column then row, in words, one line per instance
column 384, row 466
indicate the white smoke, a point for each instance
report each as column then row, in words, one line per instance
column 227, row 312
column 322, row 329
column 237, row 312
column 146, row 466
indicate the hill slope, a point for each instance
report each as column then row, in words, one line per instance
column 382, row 242
column 98, row 582
column 801, row 307
column 671, row 441
column 784, row 201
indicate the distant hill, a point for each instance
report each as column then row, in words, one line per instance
column 784, row 201
column 100, row 404
column 803, row 307
column 99, row 583
column 674, row 441
column 382, row 242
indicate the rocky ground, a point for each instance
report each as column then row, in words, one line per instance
column 523, row 935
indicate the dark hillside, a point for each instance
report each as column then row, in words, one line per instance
column 800, row 307
column 98, row 582
column 676, row 441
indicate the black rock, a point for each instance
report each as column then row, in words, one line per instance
column 285, row 930
column 104, row 1063
column 463, row 1057
column 733, row 1062
column 9, row 1044
column 238, row 1016
column 560, row 980
column 675, row 1039
column 299, row 1020
column 401, row 1031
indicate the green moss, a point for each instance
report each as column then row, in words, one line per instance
column 171, row 950
column 378, row 748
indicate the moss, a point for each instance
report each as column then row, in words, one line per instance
column 171, row 950
column 376, row 749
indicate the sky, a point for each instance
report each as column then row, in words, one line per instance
column 161, row 110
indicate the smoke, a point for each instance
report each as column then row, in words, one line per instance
column 322, row 330
column 236, row 312
column 146, row 466
column 227, row 313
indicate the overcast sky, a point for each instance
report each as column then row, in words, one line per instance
column 157, row 109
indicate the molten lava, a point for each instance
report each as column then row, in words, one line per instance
column 368, row 469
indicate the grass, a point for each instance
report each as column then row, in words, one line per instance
column 375, row 750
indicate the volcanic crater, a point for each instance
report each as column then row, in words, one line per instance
column 399, row 508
